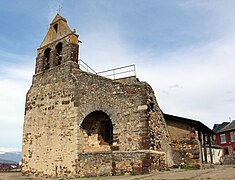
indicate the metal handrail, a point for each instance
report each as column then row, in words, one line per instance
column 116, row 68
column 113, row 72
column 86, row 66
column 117, row 73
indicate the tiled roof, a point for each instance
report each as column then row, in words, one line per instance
column 200, row 126
column 218, row 127
column 230, row 126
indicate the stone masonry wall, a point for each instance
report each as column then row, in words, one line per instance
column 158, row 134
column 56, row 145
column 185, row 147
column 127, row 107
column 120, row 102
column 119, row 162
column 49, row 128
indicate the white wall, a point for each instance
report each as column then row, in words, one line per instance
column 217, row 154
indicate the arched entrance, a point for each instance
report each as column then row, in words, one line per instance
column 97, row 131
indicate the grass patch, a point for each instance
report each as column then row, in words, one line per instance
column 120, row 174
column 133, row 173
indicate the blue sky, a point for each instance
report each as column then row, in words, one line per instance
column 185, row 49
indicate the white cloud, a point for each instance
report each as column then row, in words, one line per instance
column 15, row 81
column 204, row 74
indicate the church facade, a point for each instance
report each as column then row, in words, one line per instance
column 80, row 124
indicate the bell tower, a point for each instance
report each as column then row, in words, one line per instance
column 49, row 134
column 58, row 47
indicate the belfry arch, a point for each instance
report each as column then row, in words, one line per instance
column 47, row 58
column 59, row 53
column 97, row 131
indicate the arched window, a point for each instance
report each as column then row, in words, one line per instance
column 59, row 53
column 47, row 58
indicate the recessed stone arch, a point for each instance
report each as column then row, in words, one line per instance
column 97, row 132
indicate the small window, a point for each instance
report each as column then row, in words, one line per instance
column 55, row 27
column 222, row 138
column 232, row 136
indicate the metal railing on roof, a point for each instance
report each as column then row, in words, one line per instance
column 116, row 73
column 85, row 66
column 121, row 72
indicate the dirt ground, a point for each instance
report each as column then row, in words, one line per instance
column 218, row 172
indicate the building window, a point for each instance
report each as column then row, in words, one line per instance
column 232, row 136
column 222, row 139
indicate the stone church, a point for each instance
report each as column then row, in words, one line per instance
column 80, row 124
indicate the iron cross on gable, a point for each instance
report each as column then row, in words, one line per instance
column 58, row 10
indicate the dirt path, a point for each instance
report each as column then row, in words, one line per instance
column 219, row 172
